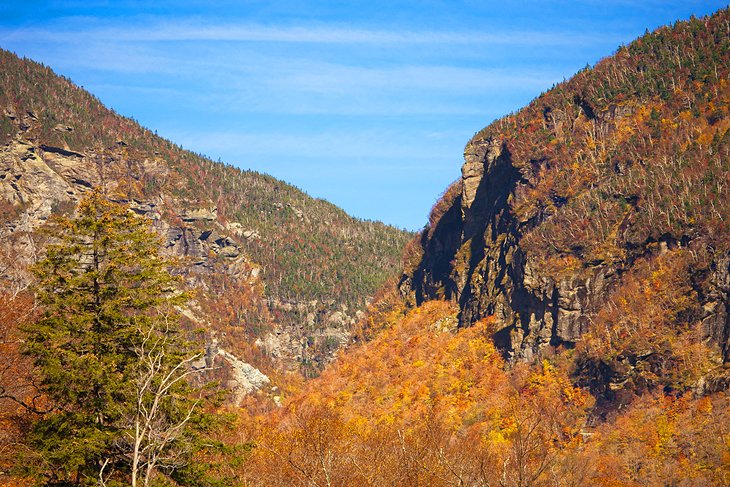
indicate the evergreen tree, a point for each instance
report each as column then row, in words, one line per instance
column 111, row 359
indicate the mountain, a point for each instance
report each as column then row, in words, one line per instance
column 271, row 263
column 563, row 319
column 602, row 204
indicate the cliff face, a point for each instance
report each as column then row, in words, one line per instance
column 622, row 166
column 474, row 256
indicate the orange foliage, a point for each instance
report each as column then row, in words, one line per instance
column 387, row 308
column 420, row 404
column 424, row 403
column 16, row 307
column 665, row 441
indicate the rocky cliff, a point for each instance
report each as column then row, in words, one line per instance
column 559, row 206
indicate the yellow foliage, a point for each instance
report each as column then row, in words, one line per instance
column 434, row 397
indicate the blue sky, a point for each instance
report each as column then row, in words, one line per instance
column 365, row 103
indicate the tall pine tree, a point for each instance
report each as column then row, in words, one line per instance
column 109, row 353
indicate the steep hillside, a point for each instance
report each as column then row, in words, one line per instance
column 597, row 216
column 275, row 264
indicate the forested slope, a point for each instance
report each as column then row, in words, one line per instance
column 610, row 181
column 309, row 265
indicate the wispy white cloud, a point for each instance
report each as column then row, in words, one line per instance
column 298, row 80
column 75, row 29
column 377, row 144
column 336, row 34
column 333, row 78
column 250, row 82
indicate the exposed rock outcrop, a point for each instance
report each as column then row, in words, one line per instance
column 240, row 378
column 28, row 181
column 245, row 378
column 41, row 180
column 306, row 345
column 474, row 255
